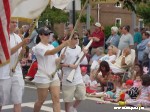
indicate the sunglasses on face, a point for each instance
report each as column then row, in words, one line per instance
column 46, row 34
column 75, row 38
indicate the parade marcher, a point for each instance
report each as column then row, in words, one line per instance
column 47, row 59
column 77, row 87
column 12, row 87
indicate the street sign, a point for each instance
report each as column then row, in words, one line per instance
column 102, row 1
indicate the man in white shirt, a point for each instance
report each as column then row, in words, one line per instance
column 77, row 87
column 12, row 83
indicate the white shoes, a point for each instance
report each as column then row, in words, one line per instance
column 72, row 109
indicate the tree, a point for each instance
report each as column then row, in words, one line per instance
column 54, row 15
column 143, row 11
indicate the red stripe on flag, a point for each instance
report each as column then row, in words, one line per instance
column 7, row 12
column 3, row 42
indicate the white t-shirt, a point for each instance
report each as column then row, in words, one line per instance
column 70, row 57
column 46, row 64
column 14, row 40
column 86, row 79
column 4, row 71
column 92, row 83
column 108, row 58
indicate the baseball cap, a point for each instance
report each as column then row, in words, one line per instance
column 44, row 30
column 129, row 82
column 84, row 69
column 97, row 24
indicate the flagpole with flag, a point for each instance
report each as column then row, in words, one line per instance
column 4, row 32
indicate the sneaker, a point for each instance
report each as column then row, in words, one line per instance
column 72, row 109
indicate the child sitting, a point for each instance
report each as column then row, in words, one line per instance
column 85, row 77
column 92, row 85
column 144, row 97
column 107, row 92
column 128, row 91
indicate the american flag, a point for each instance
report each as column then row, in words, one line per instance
column 4, row 32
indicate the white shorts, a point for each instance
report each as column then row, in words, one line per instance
column 69, row 92
column 5, row 87
column 11, row 89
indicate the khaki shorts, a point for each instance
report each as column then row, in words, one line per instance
column 47, row 85
column 77, row 91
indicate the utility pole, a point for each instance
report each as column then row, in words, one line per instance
column 88, row 13
column 74, row 13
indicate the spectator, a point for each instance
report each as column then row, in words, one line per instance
column 147, row 53
column 98, row 37
column 86, row 35
column 98, row 55
column 122, row 62
column 137, row 37
column 33, row 38
column 126, row 39
column 144, row 97
column 85, row 77
column 138, row 71
column 114, row 37
column 103, row 74
column 110, row 56
column 66, row 35
column 25, row 29
column 26, row 61
column 70, row 28
column 55, row 41
column 92, row 85
column 142, row 46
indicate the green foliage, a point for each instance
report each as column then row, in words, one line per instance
column 107, row 31
column 143, row 10
column 54, row 15
column 130, row 4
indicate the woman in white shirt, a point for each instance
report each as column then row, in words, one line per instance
column 47, row 59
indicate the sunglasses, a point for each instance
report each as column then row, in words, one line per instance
column 46, row 34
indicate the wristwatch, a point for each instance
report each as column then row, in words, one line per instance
column 68, row 65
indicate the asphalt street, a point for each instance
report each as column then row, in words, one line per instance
column 88, row 105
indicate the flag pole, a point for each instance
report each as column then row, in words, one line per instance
column 21, row 54
column 76, row 24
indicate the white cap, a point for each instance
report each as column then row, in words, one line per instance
column 115, row 29
column 148, row 32
column 97, row 24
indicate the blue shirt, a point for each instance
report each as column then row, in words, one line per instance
column 113, row 40
column 55, row 44
column 137, row 37
column 141, row 48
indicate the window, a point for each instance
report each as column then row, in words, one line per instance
column 118, row 5
column 118, row 21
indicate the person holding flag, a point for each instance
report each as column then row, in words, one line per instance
column 12, row 83
column 47, row 59
column 77, row 87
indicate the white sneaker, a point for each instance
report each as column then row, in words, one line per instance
column 72, row 109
